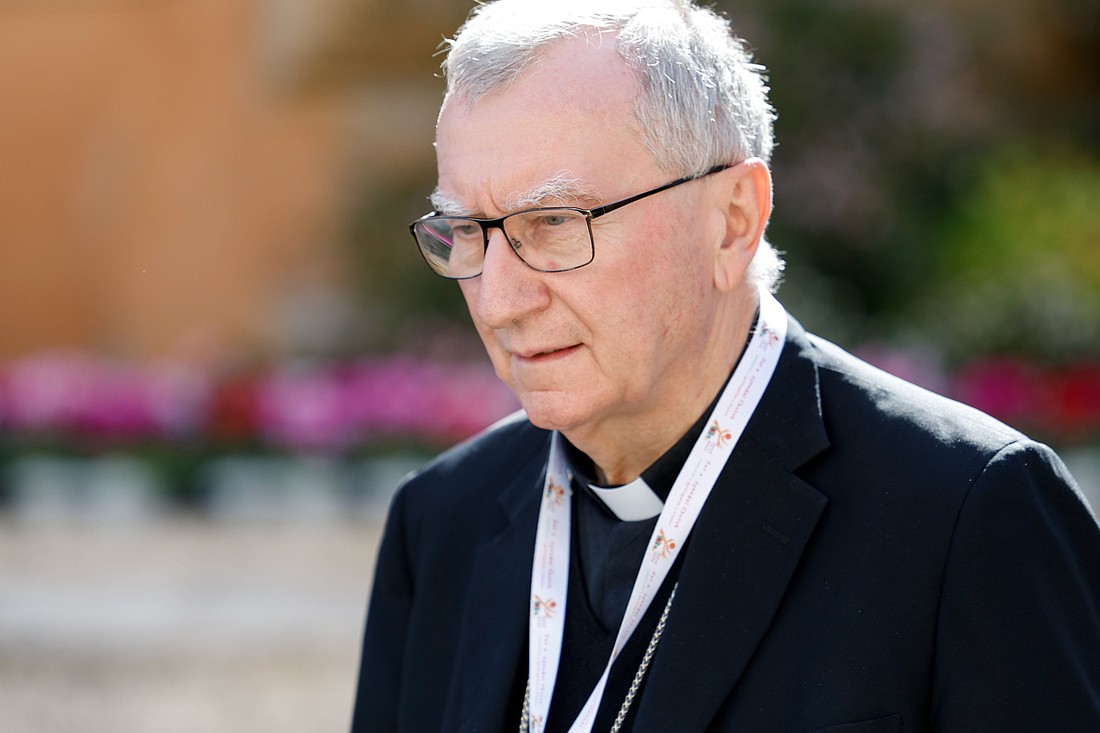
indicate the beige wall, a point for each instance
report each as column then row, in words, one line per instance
column 161, row 183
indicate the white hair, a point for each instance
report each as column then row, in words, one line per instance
column 701, row 102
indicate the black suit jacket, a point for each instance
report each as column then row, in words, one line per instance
column 874, row 558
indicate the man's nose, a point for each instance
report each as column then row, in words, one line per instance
column 508, row 289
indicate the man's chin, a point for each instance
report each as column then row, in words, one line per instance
column 559, row 412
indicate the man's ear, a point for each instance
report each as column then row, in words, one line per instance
column 747, row 204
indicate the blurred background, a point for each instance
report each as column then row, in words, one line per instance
column 219, row 349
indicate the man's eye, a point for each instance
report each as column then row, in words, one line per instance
column 466, row 230
column 553, row 220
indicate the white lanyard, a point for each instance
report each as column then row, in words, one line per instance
column 550, row 570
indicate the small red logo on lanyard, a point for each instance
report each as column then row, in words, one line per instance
column 663, row 544
column 718, row 435
column 554, row 494
column 546, row 608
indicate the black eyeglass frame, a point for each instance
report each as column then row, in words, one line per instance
column 589, row 215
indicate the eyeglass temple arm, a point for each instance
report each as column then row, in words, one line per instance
column 608, row 208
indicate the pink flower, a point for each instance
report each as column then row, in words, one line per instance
column 1008, row 389
column 75, row 394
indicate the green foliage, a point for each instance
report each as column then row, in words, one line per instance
column 1021, row 269
column 1030, row 213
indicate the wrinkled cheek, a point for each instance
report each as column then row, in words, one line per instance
column 498, row 356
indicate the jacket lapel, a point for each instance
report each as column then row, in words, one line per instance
column 495, row 617
column 742, row 553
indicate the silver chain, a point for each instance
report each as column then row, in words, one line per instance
column 525, row 716
column 635, row 684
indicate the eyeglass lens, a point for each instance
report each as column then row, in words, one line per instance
column 550, row 240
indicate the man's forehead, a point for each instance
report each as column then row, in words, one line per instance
column 563, row 188
column 562, row 132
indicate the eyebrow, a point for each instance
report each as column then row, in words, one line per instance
column 564, row 189
column 445, row 205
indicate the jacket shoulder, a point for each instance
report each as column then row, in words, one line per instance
column 882, row 403
column 491, row 458
column 509, row 439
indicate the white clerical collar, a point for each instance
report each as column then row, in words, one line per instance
column 630, row 502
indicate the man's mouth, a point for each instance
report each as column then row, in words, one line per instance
column 547, row 354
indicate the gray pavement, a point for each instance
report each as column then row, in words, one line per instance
column 175, row 624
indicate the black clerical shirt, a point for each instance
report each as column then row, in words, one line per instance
column 607, row 553
column 611, row 549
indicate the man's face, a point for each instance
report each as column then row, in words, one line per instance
column 612, row 345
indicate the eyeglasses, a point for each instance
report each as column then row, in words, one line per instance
column 547, row 239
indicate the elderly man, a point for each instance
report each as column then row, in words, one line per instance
column 705, row 519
